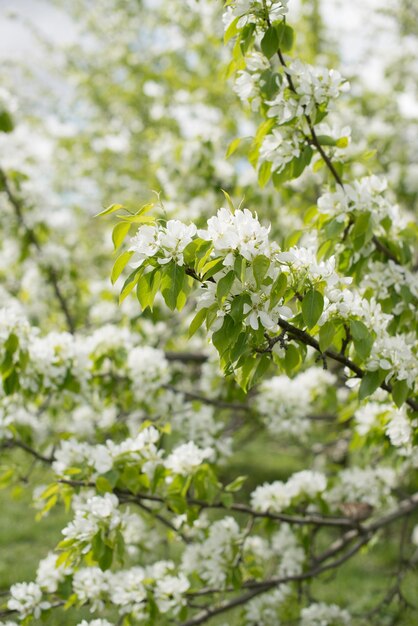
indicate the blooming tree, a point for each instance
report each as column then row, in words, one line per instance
column 285, row 318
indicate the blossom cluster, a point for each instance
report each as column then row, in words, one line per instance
column 285, row 404
column 165, row 243
column 278, row 496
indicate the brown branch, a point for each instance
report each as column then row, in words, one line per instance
column 327, row 160
column 220, row 404
column 15, row 443
column 308, row 340
column 17, row 205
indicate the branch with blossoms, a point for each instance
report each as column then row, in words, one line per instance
column 33, row 239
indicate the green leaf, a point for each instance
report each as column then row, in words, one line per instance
column 110, row 209
column 120, row 265
column 119, row 233
column 270, row 42
column 326, row 335
column 261, row 265
column 262, row 366
column 172, row 283
column 291, row 359
column 12, row 343
column 103, row 485
column 247, row 37
column 236, row 484
column 370, row 382
column 229, row 200
column 362, row 338
column 130, row 283
column 286, row 36
column 312, row 307
column 278, row 289
column 400, row 391
column 226, row 336
column 197, row 321
column 362, row 231
column 264, row 173
column 326, row 140
column 212, row 267
column 227, row 499
column 224, row 286
column 197, row 250
column 233, row 147
column 6, row 122
column 299, row 163
column 106, row 558
column 147, row 288
column 240, row 266
column 243, row 374
column 232, row 30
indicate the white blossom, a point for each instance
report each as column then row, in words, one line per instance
column 26, row 599
column 321, row 614
column 186, row 458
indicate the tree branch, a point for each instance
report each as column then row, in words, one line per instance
column 51, row 273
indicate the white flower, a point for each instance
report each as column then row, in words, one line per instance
column 280, row 147
column 321, row 614
column 370, row 486
column 399, row 429
column 148, row 369
column 91, row 585
column 128, row 592
column 273, row 497
column 186, row 458
column 237, row 232
column 169, row 592
column 26, row 599
column 144, row 244
column 212, row 558
column 48, row 575
column 173, row 239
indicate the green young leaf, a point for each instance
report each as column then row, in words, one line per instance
column 130, row 283
column 120, row 265
column 400, row 391
column 362, row 338
column 232, row 30
column 370, row 382
column 247, row 37
column 229, row 200
column 286, row 36
column 212, row 267
column 326, row 335
column 233, row 147
column 278, row 290
column 261, row 265
column 147, row 288
column 6, row 122
column 224, row 286
column 110, row 209
column 270, row 42
column 236, row 484
column 12, row 343
column 119, row 233
column 197, row 321
column 172, row 283
column 326, row 140
column 264, row 173
column 301, row 162
column 312, row 307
